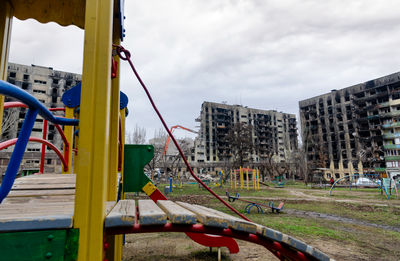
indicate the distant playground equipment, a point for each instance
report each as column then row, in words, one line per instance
column 279, row 182
column 361, row 180
column 257, row 205
column 249, row 174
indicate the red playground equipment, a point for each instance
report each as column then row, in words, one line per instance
column 83, row 214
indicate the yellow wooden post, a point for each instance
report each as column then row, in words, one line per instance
column 94, row 132
column 122, row 115
column 115, row 250
column 6, row 15
column 247, row 177
column 235, row 179
column 253, row 180
column 258, row 179
column 222, row 178
column 231, row 179
column 240, row 177
column 69, row 134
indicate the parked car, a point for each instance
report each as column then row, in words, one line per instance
column 365, row 182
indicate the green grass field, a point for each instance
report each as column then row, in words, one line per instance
column 359, row 239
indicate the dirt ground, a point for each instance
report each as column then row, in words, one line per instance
column 176, row 246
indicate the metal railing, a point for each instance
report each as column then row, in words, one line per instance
column 35, row 108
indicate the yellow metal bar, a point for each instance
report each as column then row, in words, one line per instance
column 252, row 179
column 122, row 115
column 69, row 134
column 241, row 178
column 247, row 177
column 149, row 188
column 231, row 179
column 235, row 179
column 114, row 252
column 6, row 14
column 258, row 179
column 93, row 157
column 113, row 139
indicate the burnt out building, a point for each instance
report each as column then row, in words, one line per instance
column 272, row 132
column 342, row 131
column 47, row 85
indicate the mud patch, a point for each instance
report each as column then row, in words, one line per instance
column 301, row 213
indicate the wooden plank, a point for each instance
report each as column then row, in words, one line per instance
column 56, row 178
column 40, row 215
column 237, row 223
column 232, row 222
column 205, row 217
column 150, row 213
column 42, row 199
column 44, row 186
column 37, row 193
column 123, row 214
column 17, row 217
column 177, row 214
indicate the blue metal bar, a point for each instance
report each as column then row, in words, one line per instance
column 377, row 183
column 18, row 153
column 8, row 89
column 35, row 108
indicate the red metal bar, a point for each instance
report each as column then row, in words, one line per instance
column 57, row 109
column 43, row 147
column 8, row 105
column 203, row 239
column 66, row 144
column 12, row 142
column 275, row 247
column 126, row 56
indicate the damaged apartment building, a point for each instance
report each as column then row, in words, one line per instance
column 353, row 130
column 272, row 132
column 47, row 85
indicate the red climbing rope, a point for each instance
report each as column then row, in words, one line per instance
column 126, row 56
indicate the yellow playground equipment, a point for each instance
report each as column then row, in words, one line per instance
column 82, row 214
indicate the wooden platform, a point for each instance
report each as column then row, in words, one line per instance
column 47, row 202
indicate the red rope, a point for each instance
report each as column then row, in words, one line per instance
column 126, row 56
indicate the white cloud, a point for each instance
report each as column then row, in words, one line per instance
column 263, row 54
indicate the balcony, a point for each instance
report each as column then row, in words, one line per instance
column 392, row 158
column 391, row 146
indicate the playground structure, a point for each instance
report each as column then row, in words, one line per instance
column 257, row 205
column 240, row 178
column 364, row 180
column 83, row 216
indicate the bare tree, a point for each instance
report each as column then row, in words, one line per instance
column 240, row 143
column 137, row 136
column 174, row 160
column 158, row 142
column 10, row 118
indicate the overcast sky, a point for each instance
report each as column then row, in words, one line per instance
column 265, row 54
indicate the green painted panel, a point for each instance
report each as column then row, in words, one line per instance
column 71, row 245
column 135, row 158
column 33, row 245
